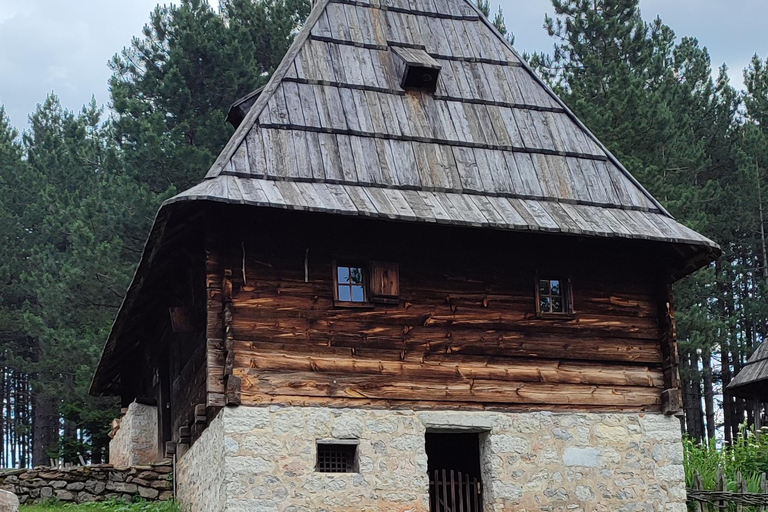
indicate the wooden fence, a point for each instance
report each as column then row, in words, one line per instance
column 724, row 500
column 451, row 491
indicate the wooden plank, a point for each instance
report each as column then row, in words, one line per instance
column 404, row 161
column 337, row 64
column 322, row 28
column 309, row 105
column 476, row 390
column 484, row 170
column 350, row 110
column 513, row 131
column 335, row 108
column 329, row 149
column 301, row 152
column 324, row 65
column 337, row 19
column 467, row 168
column 323, row 111
column 363, row 111
column 315, row 156
column 240, row 163
column 347, row 159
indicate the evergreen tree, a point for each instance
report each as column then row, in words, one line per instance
column 172, row 88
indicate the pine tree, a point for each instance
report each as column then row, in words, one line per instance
column 172, row 88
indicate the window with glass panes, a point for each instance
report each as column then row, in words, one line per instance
column 553, row 297
column 350, row 284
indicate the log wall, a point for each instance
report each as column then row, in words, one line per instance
column 464, row 333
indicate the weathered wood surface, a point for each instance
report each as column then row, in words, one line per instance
column 343, row 78
column 496, row 211
column 752, row 380
column 461, row 332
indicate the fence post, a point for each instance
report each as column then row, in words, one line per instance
column 721, row 486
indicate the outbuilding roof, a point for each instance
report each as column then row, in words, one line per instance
column 752, row 380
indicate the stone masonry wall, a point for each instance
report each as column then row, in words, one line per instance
column 531, row 462
column 135, row 442
column 199, row 471
column 89, row 483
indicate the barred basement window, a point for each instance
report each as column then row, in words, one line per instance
column 337, row 457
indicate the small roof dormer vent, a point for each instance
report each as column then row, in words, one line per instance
column 417, row 68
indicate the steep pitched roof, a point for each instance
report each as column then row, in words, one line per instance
column 334, row 131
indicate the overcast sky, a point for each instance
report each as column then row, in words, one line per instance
column 64, row 46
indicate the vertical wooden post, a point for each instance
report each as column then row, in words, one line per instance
column 215, row 360
column 671, row 398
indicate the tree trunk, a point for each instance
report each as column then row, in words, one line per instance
column 709, row 394
column 46, row 430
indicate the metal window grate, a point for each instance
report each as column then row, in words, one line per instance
column 336, row 458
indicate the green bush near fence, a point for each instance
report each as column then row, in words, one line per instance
column 108, row 506
column 748, row 456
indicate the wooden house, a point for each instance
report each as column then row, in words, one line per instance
column 412, row 281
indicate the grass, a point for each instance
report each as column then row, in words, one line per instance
column 107, row 506
column 748, row 457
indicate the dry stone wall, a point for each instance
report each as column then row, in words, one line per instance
column 265, row 461
column 89, row 483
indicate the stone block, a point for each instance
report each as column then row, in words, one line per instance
column 135, row 442
column 586, row 457
column 8, row 502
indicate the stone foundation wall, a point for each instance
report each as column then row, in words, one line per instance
column 531, row 462
column 135, row 441
column 199, row 471
column 90, row 483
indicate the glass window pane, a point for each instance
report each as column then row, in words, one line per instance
column 343, row 275
column 546, row 303
column 345, row 294
column 557, row 305
column 543, row 287
column 357, row 294
column 356, row 275
column 555, row 287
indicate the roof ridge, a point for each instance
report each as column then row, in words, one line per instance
column 268, row 90
column 568, row 111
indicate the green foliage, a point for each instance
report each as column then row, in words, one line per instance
column 697, row 145
column 498, row 19
column 75, row 224
column 172, row 88
column 748, row 457
column 108, row 506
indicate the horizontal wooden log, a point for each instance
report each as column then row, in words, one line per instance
column 254, row 398
column 378, row 387
column 450, row 367
column 483, row 344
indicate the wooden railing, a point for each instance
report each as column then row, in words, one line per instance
column 723, row 500
column 453, row 491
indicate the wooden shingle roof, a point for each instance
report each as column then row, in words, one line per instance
column 493, row 146
column 752, row 380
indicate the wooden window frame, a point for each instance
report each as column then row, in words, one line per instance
column 366, row 303
column 568, row 312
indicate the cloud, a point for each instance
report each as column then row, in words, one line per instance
column 51, row 45
column 64, row 47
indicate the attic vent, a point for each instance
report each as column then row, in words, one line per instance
column 417, row 69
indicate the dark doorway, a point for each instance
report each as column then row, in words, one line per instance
column 455, row 483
